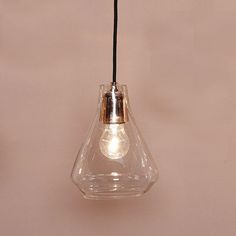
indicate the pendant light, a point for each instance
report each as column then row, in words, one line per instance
column 114, row 162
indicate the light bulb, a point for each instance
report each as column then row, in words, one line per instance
column 114, row 142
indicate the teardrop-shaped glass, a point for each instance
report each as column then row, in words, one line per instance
column 114, row 161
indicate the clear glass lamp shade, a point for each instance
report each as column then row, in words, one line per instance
column 114, row 161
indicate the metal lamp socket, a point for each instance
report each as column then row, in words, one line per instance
column 114, row 108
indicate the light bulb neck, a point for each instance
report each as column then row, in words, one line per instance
column 114, row 107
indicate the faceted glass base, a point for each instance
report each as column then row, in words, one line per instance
column 110, row 196
column 101, row 187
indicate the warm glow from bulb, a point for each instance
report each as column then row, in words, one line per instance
column 113, row 145
column 114, row 142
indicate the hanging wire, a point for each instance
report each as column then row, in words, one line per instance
column 115, row 41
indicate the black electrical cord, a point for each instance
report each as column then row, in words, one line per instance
column 115, row 40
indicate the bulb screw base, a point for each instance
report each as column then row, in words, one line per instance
column 113, row 109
